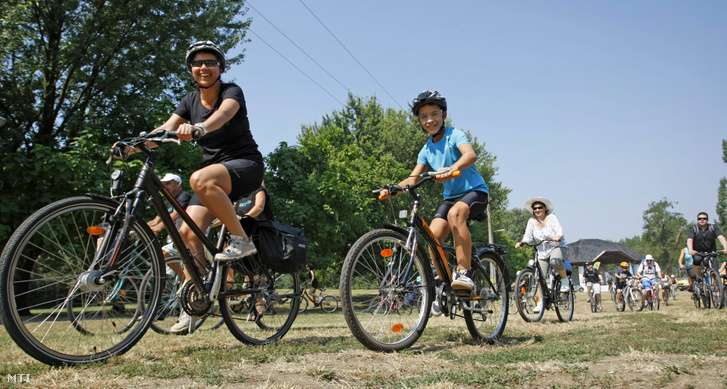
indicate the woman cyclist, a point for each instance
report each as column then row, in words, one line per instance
column 544, row 226
column 233, row 166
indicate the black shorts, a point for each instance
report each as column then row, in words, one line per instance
column 476, row 200
column 246, row 176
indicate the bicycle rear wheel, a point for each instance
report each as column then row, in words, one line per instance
column 372, row 285
column 329, row 303
column 529, row 294
column 47, row 269
column 303, row 304
column 564, row 302
column 486, row 315
column 261, row 304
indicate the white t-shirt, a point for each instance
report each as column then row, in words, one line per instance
column 550, row 230
column 649, row 271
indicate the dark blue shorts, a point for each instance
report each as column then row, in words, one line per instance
column 476, row 200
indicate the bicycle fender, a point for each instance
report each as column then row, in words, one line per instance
column 396, row 228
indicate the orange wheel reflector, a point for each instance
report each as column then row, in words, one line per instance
column 397, row 327
column 387, row 253
column 95, row 230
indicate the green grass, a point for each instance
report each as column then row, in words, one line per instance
column 674, row 347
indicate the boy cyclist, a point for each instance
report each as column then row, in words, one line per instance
column 449, row 150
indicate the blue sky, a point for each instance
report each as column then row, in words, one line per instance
column 600, row 106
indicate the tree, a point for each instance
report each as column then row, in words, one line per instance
column 80, row 75
column 721, row 218
column 661, row 231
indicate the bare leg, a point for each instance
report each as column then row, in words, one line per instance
column 457, row 218
column 212, row 184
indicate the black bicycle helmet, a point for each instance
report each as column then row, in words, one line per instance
column 206, row 46
column 428, row 97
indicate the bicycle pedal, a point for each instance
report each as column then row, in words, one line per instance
column 464, row 293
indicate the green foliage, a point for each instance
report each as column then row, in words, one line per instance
column 80, row 75
column 662, row 231
column 721, row 208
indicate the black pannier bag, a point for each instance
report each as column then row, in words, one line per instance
column 283, row 248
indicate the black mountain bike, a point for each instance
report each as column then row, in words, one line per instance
column 710, row 292
column 534, row 295
column 382, row 264
column 82, row 279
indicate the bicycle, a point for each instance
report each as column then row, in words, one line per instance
column 533, row 294
column 710, row 291
column 82, row 246
column 653, row 301
column 593, row 298
column 328, row 302
column 382, row 263
column 631, row 296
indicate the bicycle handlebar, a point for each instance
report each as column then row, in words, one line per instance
column 710, row 254
column 426, row 176
column 120, row 148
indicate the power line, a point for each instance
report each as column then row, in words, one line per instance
column 351, row 54
column 291, row 63
column 296, row 45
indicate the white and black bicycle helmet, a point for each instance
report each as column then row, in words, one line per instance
column 428, row 97
column 205, row 46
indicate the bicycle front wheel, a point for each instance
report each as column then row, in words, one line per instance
column 635, row 300
column 329, row 303
column 717, row 289
column 564, row 302
column 486, row 314
column 50, row 305
column 373, row 285
column 529, row 296
column 261, row 304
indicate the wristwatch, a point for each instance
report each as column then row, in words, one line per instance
column 202, row 128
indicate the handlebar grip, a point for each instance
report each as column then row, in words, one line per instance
column 456, row 173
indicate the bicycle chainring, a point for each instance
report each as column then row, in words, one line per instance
column 192, row 302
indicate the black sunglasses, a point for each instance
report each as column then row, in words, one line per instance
column 538, row 208
column 207, row 62
column 702, row 218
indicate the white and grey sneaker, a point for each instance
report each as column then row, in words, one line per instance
column 182, row 326
column 564, row 285
column 463, row 280
column 435, row 309
column 237, row 248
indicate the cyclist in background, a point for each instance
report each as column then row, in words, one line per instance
column 449, row 150
column 686, row 263
column 593, row 280
column 621, row 277
column 173, row 183
column 313, row 282
column 649, row 272
column 703, row 238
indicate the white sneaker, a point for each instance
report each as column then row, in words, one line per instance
column 463, row 280
column 435, row 309
column 237, row 248
column 182, row 326
column 564, row 286
column 537, row 308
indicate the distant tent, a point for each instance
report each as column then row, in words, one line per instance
column 606, row 252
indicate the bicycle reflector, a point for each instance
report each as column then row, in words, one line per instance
column 397, row 327
column 95, row 230
column 387, row 253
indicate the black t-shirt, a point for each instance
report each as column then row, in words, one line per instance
column 621, row 281
column 591, row 276
column 705, row 240
column 245, row 204
column 234, row 139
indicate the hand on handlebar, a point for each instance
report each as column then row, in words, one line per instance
column 447, row 174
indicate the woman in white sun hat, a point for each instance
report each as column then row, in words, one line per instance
column 541, row 227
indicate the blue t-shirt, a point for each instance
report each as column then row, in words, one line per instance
column 446, row 152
